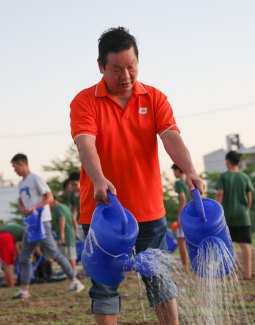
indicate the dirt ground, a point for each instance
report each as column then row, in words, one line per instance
column 52, row 303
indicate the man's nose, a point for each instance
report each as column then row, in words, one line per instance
column 125, row 74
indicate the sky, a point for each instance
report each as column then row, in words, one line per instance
column 199, row 53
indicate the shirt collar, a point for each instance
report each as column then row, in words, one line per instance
column 101, row 89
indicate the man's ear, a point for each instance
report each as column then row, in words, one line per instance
column 100, row 66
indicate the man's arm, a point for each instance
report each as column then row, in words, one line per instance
column 75, row 223
column 90, row 160
column 22, row 209
column 177, row 151
column 249, row 196
column 182, row 198
column 62, row 223
column 48, row 198
column 17, row 246
column 219, row 196
column 71, row 207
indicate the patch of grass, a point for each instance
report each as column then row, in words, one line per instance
column 54, row 304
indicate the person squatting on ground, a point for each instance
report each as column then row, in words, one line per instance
column 115, row 125
column 184, row 197
column 34, row 193
column 64, row 226
column 234, row 193
column 10, row 239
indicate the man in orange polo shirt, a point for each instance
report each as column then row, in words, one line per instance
column 115, row 125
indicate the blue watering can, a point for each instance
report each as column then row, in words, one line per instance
column 109, row 245
column 208, row 240
column 34, row 227
column 79, row 249
column 171, row 242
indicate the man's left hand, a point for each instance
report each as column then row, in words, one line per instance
column 192, row 181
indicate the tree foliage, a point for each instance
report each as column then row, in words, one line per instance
column 64, row 168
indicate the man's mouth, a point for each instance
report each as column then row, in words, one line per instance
column 125, row 84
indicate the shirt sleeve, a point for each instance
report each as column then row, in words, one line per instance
column 220, row 185
column 83, row 117
column 179, row 187
column 58, row 212
column 41, row 185
column 164, row 115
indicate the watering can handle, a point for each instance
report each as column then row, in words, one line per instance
column 39, row 210
column 120, row 210
column 199, row 204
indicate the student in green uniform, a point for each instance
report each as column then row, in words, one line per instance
column 10, row 239
column 184, row 197
column 63, row 220
column 74, row 202
column 234, row 193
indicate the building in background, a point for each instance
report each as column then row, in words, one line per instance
column 8, row 194
column 215, row 161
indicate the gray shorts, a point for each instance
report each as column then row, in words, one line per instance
column 69, row 252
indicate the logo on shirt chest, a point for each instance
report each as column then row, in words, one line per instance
column 143, row 110
column 25, row 194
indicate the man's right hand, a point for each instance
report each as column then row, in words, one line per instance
column 101, row 185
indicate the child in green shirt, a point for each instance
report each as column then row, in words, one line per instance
column 234, row 193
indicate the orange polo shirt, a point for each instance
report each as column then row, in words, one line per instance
column 126, row 143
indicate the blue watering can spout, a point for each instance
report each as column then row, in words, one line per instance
column 146, row 263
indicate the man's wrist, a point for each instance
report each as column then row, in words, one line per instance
column 97, row 179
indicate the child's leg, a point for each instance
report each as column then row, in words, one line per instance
column 9, row 274
column 27, row 250
column 183, row 253
column 237, row 261
column 73, row 264
column 246, row 252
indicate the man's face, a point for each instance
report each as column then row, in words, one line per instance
column 120, row 71
column 18, row 167
column 75, row 185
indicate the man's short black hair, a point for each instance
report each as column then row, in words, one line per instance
column 20, row 157
column 74, row 176
column 115, row 40
column 65, row 184
column 175, row 167
column 234, row 157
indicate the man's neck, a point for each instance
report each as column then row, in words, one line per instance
column 25, row 173
column 233, row 169
column 77, row 193
column 122, row 98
